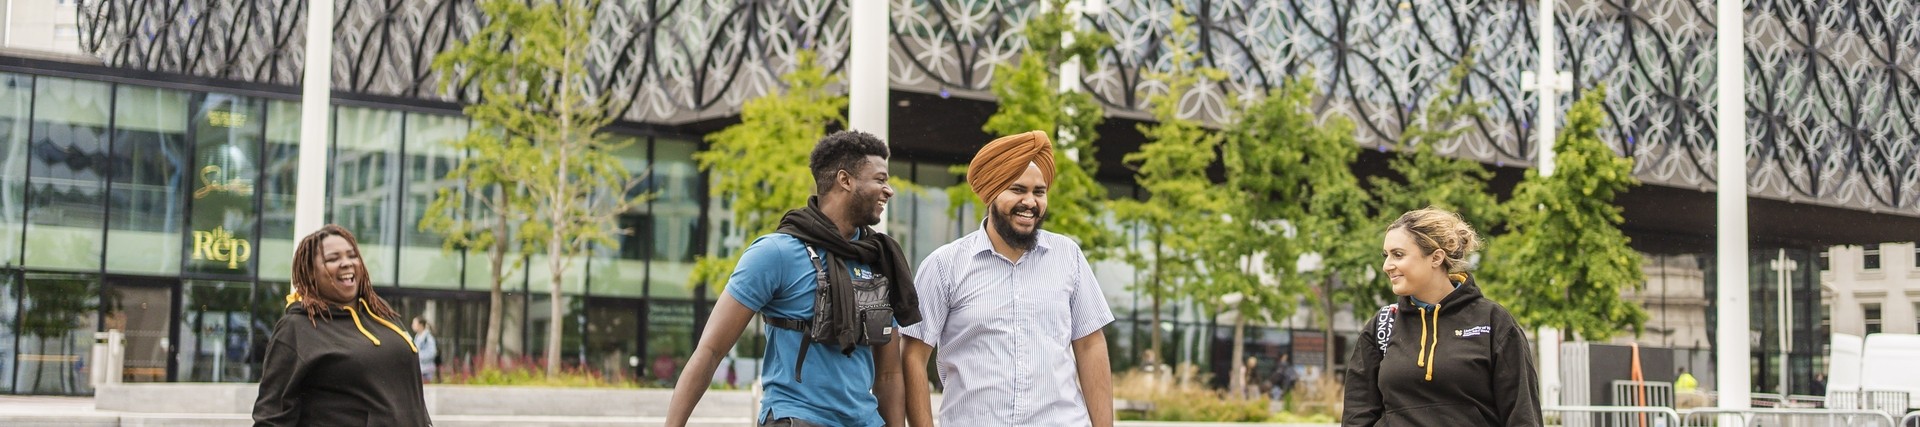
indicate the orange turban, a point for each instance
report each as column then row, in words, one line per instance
column 1002, row 161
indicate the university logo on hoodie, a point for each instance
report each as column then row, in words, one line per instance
column 1473, row 331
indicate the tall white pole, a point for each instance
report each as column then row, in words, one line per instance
column 867, row 65
column 1546, row 83
column 316, row 98
column 1784, row 267
column 1732, row 364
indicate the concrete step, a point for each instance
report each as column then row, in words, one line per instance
column 442, row 400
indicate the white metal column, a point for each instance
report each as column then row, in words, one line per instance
column 1732, row 334
column 867, row 81
column 1547, row 82
column 310, row 193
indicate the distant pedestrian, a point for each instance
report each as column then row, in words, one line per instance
column 1283, row 379
column 1685, row 383
column 1250, row 379
column 429, row 349
column 1487, row 378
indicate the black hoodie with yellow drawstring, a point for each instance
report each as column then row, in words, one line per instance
column 356, row 369
column 1461, row 362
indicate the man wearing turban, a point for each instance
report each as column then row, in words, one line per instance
column 1013, row 309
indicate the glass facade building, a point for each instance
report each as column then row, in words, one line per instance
column 167, row 212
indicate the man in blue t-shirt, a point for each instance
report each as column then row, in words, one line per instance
column 852, row 385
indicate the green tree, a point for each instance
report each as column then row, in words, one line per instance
column 1293, row 181
column 781, row 126
column 1426, row 178
column 530, row 66
column 1172, row 167
column 1031, row 99
column 1566, row 262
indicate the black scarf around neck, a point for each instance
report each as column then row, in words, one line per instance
column 811, row 226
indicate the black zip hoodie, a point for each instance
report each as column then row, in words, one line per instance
column 1486, row 379
column 357, row 369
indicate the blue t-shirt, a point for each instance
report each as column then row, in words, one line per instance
column 776, row 279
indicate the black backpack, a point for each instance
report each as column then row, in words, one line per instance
column 872, row 324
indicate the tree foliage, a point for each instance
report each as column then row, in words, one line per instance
column 1566, row 261
column 759, row 165
column 1172, row 168
column 1293, row 184
column 539, row 112
column 1425, row 178
column 1031, row 99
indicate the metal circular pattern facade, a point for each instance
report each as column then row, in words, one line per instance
column 1831, row 85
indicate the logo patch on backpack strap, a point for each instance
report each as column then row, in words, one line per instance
column 1383, row 326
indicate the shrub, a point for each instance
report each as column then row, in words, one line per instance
column 1175, row 395
column 531, row 372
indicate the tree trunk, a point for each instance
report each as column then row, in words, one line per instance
column 555, row 318
column 1326, row 326
column 1153, row 350
column 496, row 259
column 1240, row 385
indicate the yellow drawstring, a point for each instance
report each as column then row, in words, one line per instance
column 1436, row 340
column 396, row 329
column 1421, row 358
column 363, row 328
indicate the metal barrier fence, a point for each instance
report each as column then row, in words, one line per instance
column 1892, row 403
column 1587, row 416
column 1912, row 418
column 1643, row 393
column 1787, row 417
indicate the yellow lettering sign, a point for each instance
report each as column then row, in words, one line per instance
column 226, row 119
column 220, row 245
column 210, row 182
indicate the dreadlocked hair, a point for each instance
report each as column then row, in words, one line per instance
column 307, row 277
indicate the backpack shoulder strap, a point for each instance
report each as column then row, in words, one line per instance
column 804, row 326
column 1383, row 326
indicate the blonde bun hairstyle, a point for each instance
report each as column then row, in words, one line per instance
column 1438, row 229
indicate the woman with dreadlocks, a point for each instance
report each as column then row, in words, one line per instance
column 336, row 357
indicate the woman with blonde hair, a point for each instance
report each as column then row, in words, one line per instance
column 1396, row 377
column 335, row 358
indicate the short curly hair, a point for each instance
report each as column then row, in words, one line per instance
column 844, row 150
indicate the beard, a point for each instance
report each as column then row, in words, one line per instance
column 1003, row 225
column 870, row 202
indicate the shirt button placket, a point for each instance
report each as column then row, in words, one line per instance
column 1022, row 378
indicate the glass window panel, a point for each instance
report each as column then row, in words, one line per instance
column 675, row 181
column 149, row 177
column 934, row 226
column 429, row 159
column 573, row 280
column 622, row 270
column 613, row 338
column 219, row 332
column 9, row 316
column 669, row 340
column 67, row 164
column 16, row 98
column 366, row 143
column 57, row 320
column 281, row 172
column 456, row 324
column 539, row 317
column 223, row 223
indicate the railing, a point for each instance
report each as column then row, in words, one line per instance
column 1912, row 418
column 1786, row 416
column 1892, row 403
column 1616, row 415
